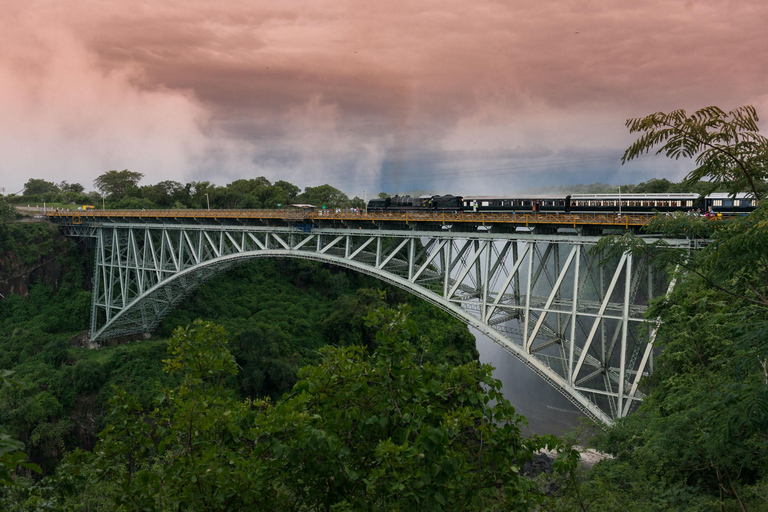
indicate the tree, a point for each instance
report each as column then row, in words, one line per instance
column 45, row 190
column 166, row 193
column 290, row 189
column 358, row 431
column 388, row 433
column 727, row 147
column 71, row 187
column 357, row 202
column 702, row 431
column 188, row 452
column 11, row 455
column 203, row 194
column 653, row 186
column 117, row 183
column 7, row 212
column 324, row 195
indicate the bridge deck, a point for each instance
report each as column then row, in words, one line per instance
column 520, row 219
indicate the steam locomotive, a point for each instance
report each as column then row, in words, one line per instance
column 718, row 202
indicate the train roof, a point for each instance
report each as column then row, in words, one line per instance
column 728, row 195
column 519, row 196
column 637, row 197
column 587, row 197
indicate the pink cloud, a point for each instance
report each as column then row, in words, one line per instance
column 322, row 90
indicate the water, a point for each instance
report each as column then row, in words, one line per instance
column 547, row 411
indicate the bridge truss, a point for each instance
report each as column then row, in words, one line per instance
column 571, row 314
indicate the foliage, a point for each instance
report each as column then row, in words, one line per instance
column 358, row 432
column 117, row 183
column 7, row 213
column 727, row 147
column 277, row 310
column 40, row 189
column 324, row 196
column 388, row 433
column 700, row 439
column 11, row 454
column 291, row 190
column 75, row 188
column 281, row 312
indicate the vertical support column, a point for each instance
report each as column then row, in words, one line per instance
column 624, row 328
column 515, row 257
column 448, row 267
column 486, row 280
column 528, row 287
column 574, row 312
column 478, row 272
column 600, row 319
column 117, row 278
column 649, row 266
column 98, row 277
column 411, row 257
column 378, row 250
column 558, row 316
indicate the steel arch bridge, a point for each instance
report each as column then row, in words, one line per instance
column 570, row 313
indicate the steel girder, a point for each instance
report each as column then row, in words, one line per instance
column 573, row 316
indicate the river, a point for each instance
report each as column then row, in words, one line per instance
column 547, row 411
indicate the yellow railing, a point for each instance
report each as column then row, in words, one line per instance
column 525, row 219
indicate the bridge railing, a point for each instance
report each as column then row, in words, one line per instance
column 525, row 219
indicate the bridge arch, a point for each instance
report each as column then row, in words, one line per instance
column 574, row 319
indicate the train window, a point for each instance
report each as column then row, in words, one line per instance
column 485, row 203
column 727, row 202
column 717, row 202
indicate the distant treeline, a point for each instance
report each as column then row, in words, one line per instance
column 121, row 189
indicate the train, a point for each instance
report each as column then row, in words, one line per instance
column 717, row 202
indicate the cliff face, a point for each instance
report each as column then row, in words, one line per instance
column 34, row 252
column 18, row 274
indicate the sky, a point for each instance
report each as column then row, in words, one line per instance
column 449, row 96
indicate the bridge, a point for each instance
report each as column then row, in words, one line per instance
column 533, row 283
